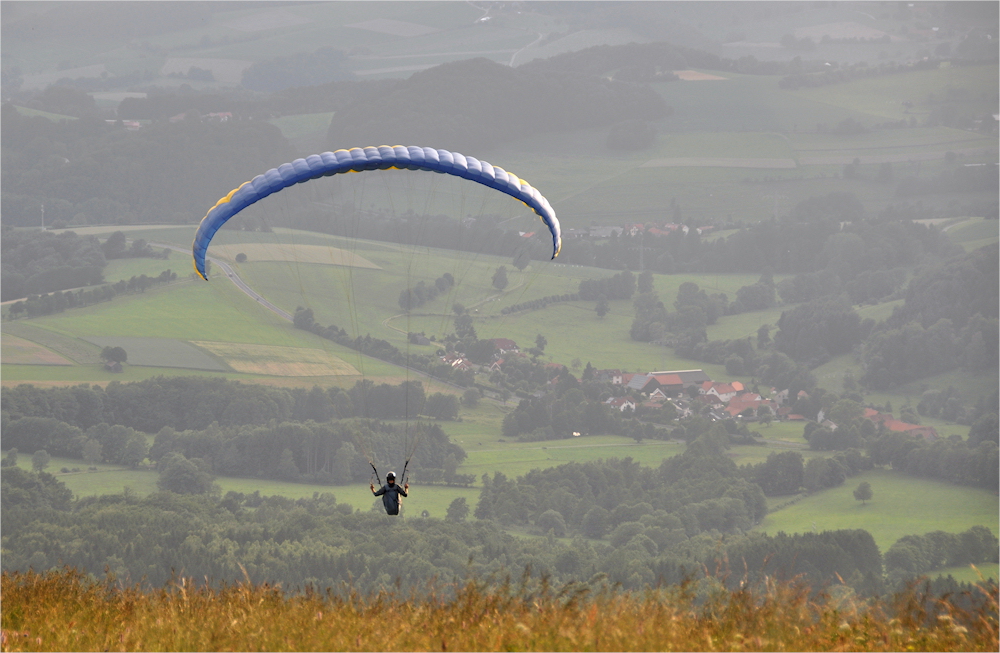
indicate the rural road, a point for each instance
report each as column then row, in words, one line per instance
column 280, row 312
column 235, row 278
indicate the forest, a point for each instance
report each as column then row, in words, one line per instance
column 637, row 525
column 322, row 542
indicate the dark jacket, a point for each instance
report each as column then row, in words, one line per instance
column 390, row 497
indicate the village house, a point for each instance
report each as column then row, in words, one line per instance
column 505, row 346
column 621, row 403
column 457, row 362
column 724, row 391
column 609, row 376
column 928, row 433
column 687, row 377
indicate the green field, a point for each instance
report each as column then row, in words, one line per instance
column 303, row 125
column 883, row 97
column 517, row 459
column 902, row 505
column 972, row 573
column 126, row 268
column 161, row 352
column 974, row 233
column 77, row 350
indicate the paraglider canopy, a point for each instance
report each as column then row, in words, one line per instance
column 359, row 159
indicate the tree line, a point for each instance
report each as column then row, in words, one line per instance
column 89, row 172
column 56, row 302
column 328, row 445
column 38, row 262
column 421, row 293
column 327, row 543
column 476, row 104
column 194, row 403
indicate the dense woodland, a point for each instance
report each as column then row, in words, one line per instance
column 621, row 537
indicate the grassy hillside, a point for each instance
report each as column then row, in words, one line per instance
column 902, row 505
column 74, row 613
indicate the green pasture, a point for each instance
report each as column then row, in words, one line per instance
column 830, row 375
column 162, row 352
column 180, row 235
column 973, row 233
column 44, row 375
column 188, row 311
column 878, row 312
column 432, row 498
column 519, row 458
column 304, row 124
column 734, row 327
column 126, row 268
column 886, row 141
column 73, row 348
column 708, row 194
column 901, row 505
column 748, row 454
column 972, row 88
column 112, row 479
column 706, row 106
column 780, row 431
column 54, row 117
column 215, row 311
column 326, row 25
column 306, row 131
column 970, row 573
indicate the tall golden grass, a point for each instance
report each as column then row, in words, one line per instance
column 66, row 611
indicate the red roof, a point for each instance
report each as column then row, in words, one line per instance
column 668, row 379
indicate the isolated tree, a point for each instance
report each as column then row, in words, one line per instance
column 863, row 492
column 241, row 258
column 457, row 308
column 10, row 460
column 40, row 460
column 522, row 258
column 470, row 398
column 765, row 415
column 602, row 307
column 500, row 278
column 183, row 476
column 463, row 327
column 441, row 406
column 458, row 510
column 114, row 355
column 540, row 342
column 646, row 281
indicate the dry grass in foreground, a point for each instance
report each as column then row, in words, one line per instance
column 64, row 611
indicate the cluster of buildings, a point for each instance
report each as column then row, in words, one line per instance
column 690, row 391
column 634, row 229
